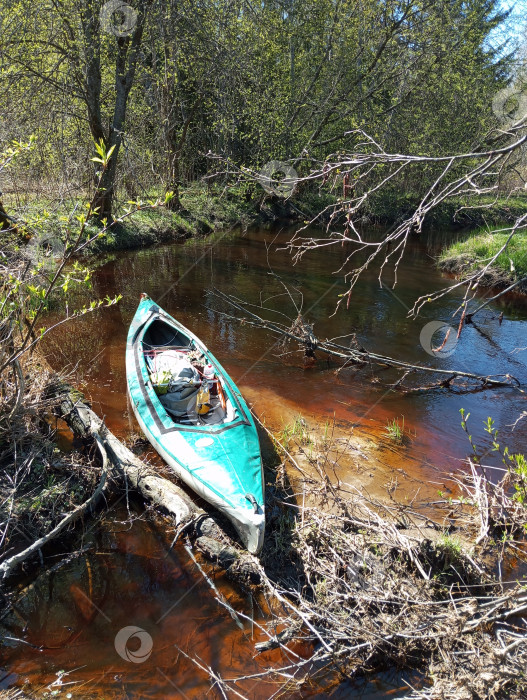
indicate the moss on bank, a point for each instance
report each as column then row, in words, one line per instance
column 473, row 253
column 214, row 207
column 203, row 209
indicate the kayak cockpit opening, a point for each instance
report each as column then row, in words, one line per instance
column 183, row 379
column 159, row 334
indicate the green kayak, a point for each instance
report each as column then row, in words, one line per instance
column 196, row 418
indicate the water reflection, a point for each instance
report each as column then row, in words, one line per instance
column 131, row 576
column 183, row 275
column 68, row 621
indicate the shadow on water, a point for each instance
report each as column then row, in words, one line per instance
column 65, row 631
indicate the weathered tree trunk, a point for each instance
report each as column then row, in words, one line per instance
column 128, row 48
column 175, row 148
column 164, row 494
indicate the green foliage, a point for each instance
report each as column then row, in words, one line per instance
column 476, row 251
column 519, row 467
column 252, row 82
column 49, row 269
column 297, row 432
column 514, row 463
column 395, row 431
column 450, row 546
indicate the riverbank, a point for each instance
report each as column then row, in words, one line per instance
column 43, row 476
column 471, row 254
column 350, row 554
column 351, row 586
column 42, row 220
column 454, row 213
column 205, row 209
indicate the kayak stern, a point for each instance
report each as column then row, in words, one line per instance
column 249, row 526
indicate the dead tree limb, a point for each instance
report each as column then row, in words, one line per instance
column 6, row 567
column 206, row 532
column 366, row 169
column 357, row 355
column 497, row 296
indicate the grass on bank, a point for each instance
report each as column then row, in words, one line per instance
column 202, row 212
column 217, row 207
column 204, row 208
column 463, row 212
column 475, row 252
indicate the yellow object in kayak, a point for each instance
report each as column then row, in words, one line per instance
column 202, row 400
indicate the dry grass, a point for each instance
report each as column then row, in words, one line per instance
column 368, row 588
column 362, row 584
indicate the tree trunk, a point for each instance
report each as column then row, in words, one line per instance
column 175, row 151
column 207, row 533
column 128, row 48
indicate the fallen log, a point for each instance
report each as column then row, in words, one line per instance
column 302, row 333
column 200, row 526
column 85, row 424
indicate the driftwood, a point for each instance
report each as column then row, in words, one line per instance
column 302, row 333
column 204, row 529
column 7, row 566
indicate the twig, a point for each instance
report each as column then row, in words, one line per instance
column 7, row 566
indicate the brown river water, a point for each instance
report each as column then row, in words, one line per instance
column 63, row 633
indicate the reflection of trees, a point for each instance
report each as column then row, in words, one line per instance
column 56, row 608
column 75, row 342
column 241, row 266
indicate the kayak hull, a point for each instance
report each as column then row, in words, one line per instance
column 220, row 462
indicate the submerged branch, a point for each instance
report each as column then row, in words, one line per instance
column 496, row 296
column 303, row 335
